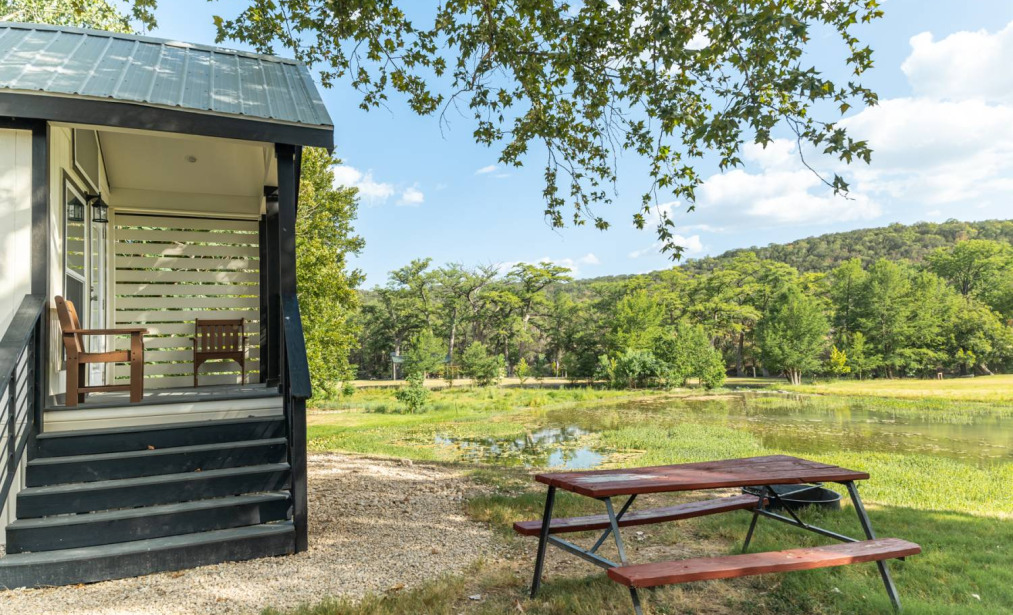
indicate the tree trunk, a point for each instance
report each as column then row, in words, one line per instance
column 740, row 370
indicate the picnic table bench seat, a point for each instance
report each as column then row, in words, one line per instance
column 687, row 510
column 750, row 564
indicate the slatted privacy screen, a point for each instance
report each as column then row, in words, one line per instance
column 172, row 270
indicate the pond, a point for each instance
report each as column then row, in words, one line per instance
column 551, row 447
column 972, row 433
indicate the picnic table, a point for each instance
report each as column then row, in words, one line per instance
column 763, row 472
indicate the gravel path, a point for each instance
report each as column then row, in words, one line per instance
column 374, row 525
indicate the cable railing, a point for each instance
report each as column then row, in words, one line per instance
column 20, row 389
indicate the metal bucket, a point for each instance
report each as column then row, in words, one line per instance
column 797, row 497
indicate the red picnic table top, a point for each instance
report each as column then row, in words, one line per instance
column 750, row 471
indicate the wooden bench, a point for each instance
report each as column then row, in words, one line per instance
column 749, row 564
column 640, row 517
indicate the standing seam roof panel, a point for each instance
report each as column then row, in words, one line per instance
column 136, row 69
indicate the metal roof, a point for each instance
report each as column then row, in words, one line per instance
column 142, row 70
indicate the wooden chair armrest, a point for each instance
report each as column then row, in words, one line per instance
column 124, row 331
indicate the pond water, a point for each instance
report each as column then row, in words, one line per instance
column 551, row 447
column 799, row 424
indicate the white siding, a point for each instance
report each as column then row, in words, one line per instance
column 15, row 248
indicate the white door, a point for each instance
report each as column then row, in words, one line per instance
column 97, row 272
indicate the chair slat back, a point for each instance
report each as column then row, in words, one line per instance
column 219, row 335
column 69, row 321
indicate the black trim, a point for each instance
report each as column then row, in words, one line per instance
column 41, row 234
column 144, row 117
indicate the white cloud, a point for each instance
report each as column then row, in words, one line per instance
column 411, row 196
column 962, row 66
column 782, row 192
column 573, row 264
column 937, row 152
column 486, row 169
column 372, row 191
column 691, row 246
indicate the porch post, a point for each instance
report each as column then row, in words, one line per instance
column 288, row 188
column 40, row 271
column 270, row 355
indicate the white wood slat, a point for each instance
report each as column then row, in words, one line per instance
column 175, row 290
column 186, row 249
column 179, row 328
column 176, row 341
column 170, row 382
column 188, row 276
column 197, row 303
column 185, row 223
column 174, row 316
column 186, row 264
column 156, row 355
column 177, row 235
column 185, row 368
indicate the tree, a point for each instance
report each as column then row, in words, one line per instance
column 792, row 334
column 414, row 394
column 327, row 297
column 579, row 84
column 884, row 314
column 424, row 355
column 837, row 364
column 860, row 361
column 479, row 365
column 458, row 288
column 635, row 322
column 688, row 353
column 96, row 14
column 971, row 265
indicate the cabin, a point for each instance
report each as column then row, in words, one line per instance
column 153, row 373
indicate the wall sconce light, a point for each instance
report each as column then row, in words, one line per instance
column 75, row 211
column 99, row 209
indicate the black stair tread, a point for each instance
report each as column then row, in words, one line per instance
column 155, row 428
column 193, row 448
column 130, row 513
column 141, row 481
column 86, row 554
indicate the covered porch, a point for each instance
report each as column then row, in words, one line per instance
column 158, row 231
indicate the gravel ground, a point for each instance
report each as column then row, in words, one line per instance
column 374, row 525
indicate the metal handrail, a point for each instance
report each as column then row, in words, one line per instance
column 19, row 343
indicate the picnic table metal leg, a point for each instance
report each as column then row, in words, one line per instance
column 752, row 524
column 543, row 541
column 614, row 521
column 863, row 518
column 619, row 515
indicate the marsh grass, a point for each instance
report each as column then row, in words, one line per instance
column 997, row 389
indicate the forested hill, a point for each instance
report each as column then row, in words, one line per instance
column 895, row 242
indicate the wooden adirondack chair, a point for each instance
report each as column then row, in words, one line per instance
column 219, row 339
column 78, row 358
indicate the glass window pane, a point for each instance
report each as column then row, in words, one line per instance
column 74, row 241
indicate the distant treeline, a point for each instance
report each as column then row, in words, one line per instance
column 900, row 301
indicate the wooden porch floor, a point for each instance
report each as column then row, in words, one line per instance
column 180, row 395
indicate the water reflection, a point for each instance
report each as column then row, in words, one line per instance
column 552, row 447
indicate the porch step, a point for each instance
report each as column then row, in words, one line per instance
column 33, row 502
column 110, row 527
column 140, row 557
column 138, row 463
column 123, row 439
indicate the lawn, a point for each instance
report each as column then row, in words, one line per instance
column 982, row 388
column 960, row 512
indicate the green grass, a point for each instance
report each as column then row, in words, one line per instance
column 982, row 388
column 961, row 512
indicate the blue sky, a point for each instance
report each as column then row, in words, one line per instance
column 942, row 135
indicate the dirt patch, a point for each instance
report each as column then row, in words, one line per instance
column 374, row 525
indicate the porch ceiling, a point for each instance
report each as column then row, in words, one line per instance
column 149, row 161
